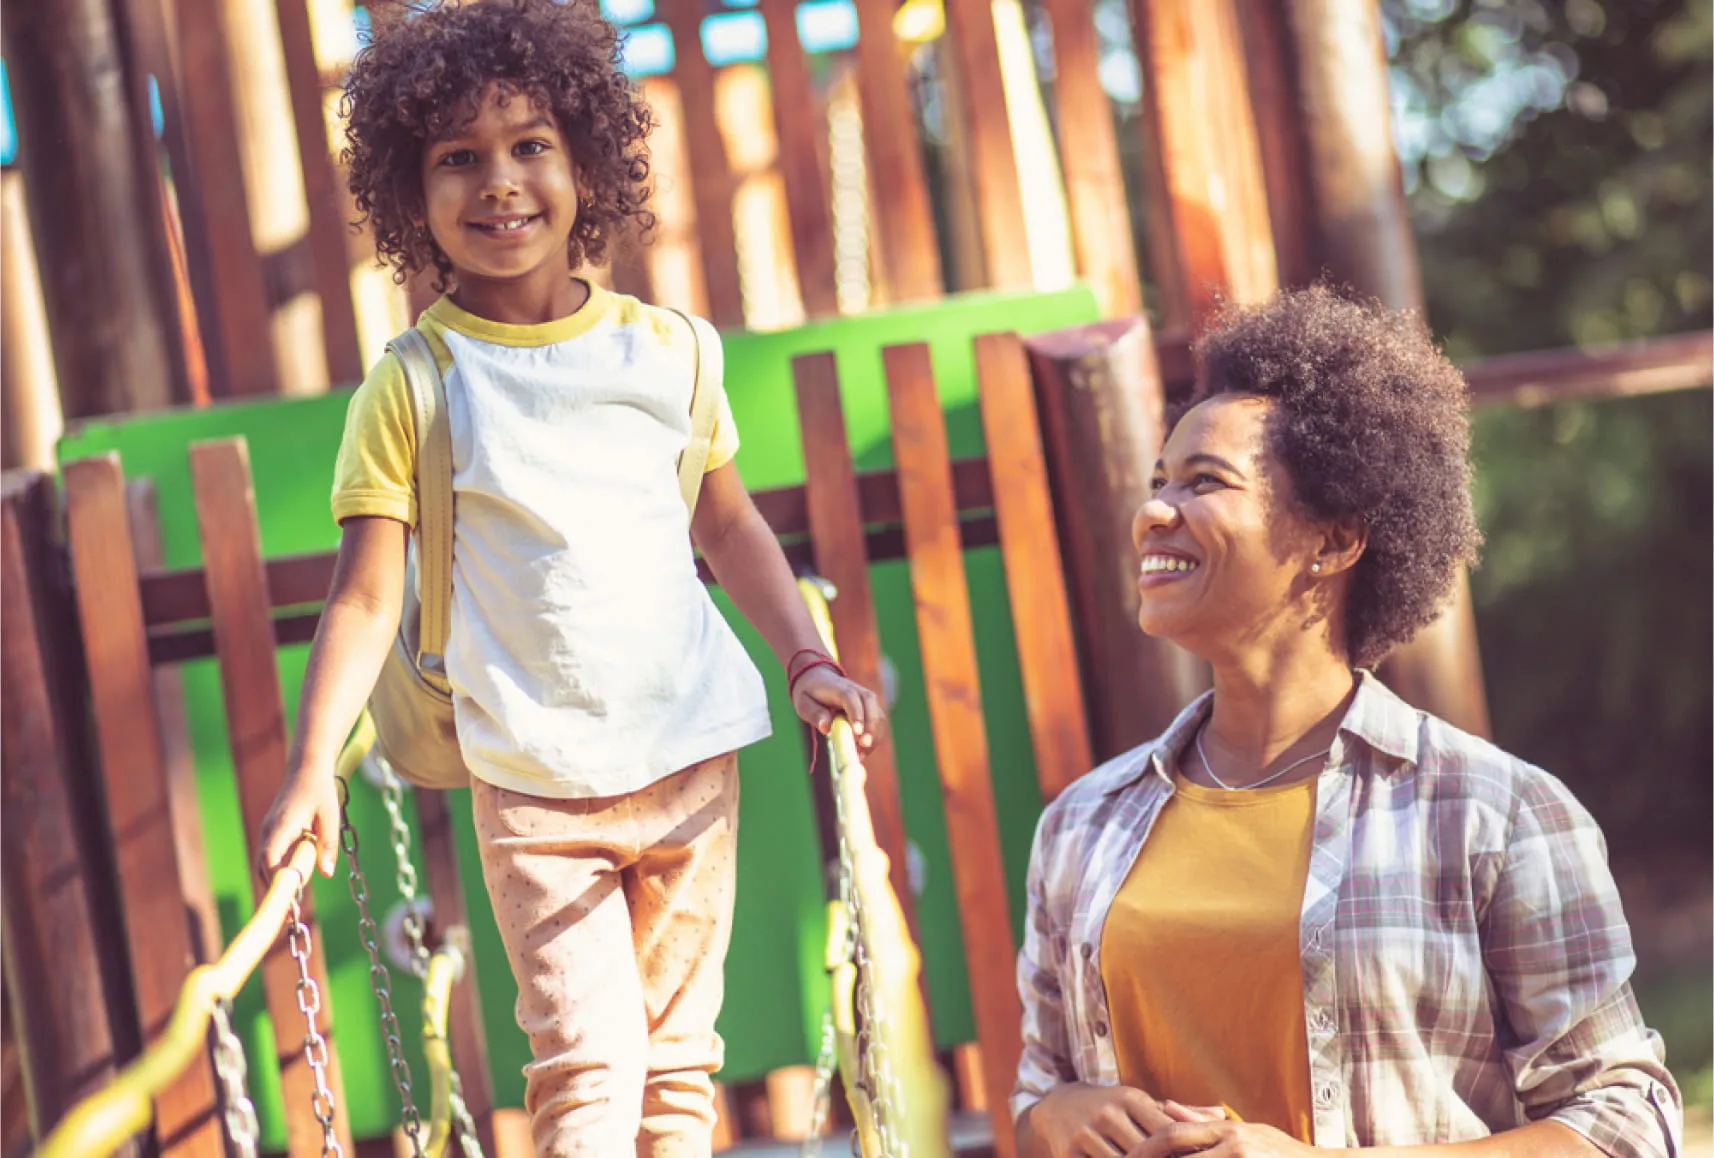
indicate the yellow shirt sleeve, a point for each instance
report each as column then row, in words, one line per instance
column 375, row 473
column 723, row 440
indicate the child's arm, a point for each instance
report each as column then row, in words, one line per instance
column 750, row 567
column 357, row 627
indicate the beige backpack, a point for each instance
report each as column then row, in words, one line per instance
column 412, row 701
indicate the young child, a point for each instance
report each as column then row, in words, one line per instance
column 599, row 695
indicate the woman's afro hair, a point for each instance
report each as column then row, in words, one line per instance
column 424, row 76
column 1370, row 423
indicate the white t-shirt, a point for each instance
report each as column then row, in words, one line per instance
column 585, row 656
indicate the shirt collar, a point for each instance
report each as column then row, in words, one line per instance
column 1376, row 716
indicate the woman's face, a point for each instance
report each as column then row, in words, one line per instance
column 1225, row 556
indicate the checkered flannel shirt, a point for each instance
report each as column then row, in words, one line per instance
column 1466, row 962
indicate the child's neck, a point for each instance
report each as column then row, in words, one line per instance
column 527, row 301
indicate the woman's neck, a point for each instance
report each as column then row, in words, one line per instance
column 527, row 301
column 1271, row 705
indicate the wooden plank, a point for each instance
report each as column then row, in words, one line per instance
column 225, row 269
column 994, row 177
column 836, row 535
column 955, row 711
column 799, row 132
column 1196, row 107
column 328, row 222
column 94, row 218
column 256, row 727
column 902, row 218
column 57, row 1009
column 464, row 1016
column 1035, row 577
column 710, row 175
column 176, row 753
column 133, row 771
column 1102, row 408
column 1089, row 155
column 1650, row 366
column 1270, row 57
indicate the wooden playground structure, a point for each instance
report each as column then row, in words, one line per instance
column 211, row 263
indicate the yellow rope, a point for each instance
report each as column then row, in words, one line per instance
column 101, row 1122
column 445, row 967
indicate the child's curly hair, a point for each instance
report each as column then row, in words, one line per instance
column 1371, row 424
column 424, row 77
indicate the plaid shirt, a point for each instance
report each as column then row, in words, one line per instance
column 1466, row 962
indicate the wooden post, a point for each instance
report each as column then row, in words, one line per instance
column 90, row 208
column 1271, row 60
column 903, row 220
column 30, row 421
column 1366, row 242
column 57, row 994
column 1197, row 106
column 675, row 259
column 954, row 692
column 1089, row 153
column 710, row 175
column 982, row 96
column 256, row 726
column 798, row 130
column 1102, row 408
column 133, row 770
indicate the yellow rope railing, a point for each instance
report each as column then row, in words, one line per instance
column 101, row 1122
column 445, row 968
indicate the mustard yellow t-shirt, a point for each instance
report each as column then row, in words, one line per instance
column 1200, row 955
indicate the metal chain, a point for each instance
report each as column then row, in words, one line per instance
column 392, row 796
column 229, row 1065
column 821, row 1103
column 463, row 1122
column 380, row 980
column 315, row 1046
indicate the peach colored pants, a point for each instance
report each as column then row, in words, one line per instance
column 616, row 913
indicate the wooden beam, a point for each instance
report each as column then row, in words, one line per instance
column 1035, row 575
column 133, row 771
column 902, row 217
column 710, row 175
column 90, row 209
column 981, row 93
column 948, row 651
column 325, row 201
column 841, row 557
column 1089, row 154
column 226, row 271
column 30, row 419
column 256, row 729
column 1541, row 377
column 57, row 997
column 1270, row 56
column 799, row 131
column 1197, row 109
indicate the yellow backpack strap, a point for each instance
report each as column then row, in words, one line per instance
column 434, row 498
column 704, row 407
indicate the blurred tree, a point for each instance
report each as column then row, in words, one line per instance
column 1557, row 158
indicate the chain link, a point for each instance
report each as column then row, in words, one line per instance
column 379, row 979
column 393, row 796
column 239, row 1111
column 821, row 1103
column 315, row 1046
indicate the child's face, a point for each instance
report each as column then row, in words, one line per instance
column 500, row 195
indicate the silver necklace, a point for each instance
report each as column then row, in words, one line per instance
column 1209, row 768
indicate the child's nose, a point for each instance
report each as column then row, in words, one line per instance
column 500, row 180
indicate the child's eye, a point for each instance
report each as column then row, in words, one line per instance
column 532, row 148
column 458, row 157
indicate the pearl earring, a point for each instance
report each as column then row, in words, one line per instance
column 1315, row 568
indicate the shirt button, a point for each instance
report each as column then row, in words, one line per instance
column 1325, row 1023
column 1326, row 1094
column 1100, row 1029
column 1087, row 950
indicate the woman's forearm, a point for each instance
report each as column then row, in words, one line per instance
column 1536, row 1140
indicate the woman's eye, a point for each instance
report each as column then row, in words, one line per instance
column 1203, row 480
column 1156, row 483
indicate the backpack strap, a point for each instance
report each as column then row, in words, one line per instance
column 704, row 407
column 434, row 498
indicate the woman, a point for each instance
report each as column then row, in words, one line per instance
column 1308, row 915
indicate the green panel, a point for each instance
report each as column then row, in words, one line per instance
column 775, row 983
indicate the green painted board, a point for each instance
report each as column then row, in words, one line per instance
column 775, row 983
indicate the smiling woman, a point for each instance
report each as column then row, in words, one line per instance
column 1309, row 915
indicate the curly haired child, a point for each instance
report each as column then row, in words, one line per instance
column 600, row 697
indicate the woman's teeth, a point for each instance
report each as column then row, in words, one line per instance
column 1154, row 564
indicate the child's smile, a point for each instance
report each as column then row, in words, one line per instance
column 500, row 197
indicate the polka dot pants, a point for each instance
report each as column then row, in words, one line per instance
column 616, row 913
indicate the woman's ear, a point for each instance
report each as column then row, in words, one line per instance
column 1342, row 544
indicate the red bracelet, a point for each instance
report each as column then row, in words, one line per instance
column 798, row 674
